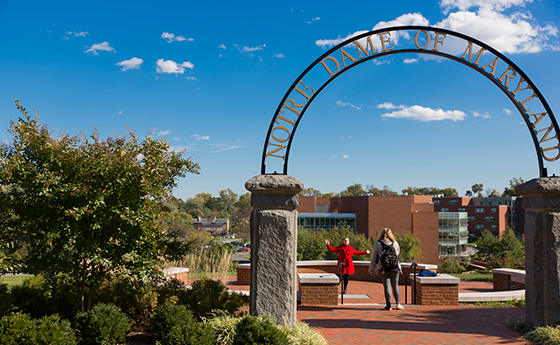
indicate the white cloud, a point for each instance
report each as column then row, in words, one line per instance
column 477, row 114
column 133, row 63
column 120, row 112
column 175, row 138
column 507, row 111
column 160, row 133
column 100, row 47
column 191, row 78
column 345, row 156
column 200, row 137
column 408, row 61
column 313, row 20
column 250, row 51
column 515, row 32
column 168, row 66
column 405, row 19
column 69, row 34
column 417, row 112
column 345, row 104
column 279, row 55
column 386, row 105
column 171, row 38
column 222, row 46
column 227, row 148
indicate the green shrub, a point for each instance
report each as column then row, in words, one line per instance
column 104, row 324
column 20, row 329
column 135, row 298
column 519, row 326
column 451, row 266
column 207, row 295
column 258, row 330
column 13, row 328
column 172, row 290
column 190, row 333
column 167, row 316
column 6, row 300
column 38, row 296
column 51, row 330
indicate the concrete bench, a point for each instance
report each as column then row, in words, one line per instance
column 495, row 296
column 318, row 288
column 508, row 279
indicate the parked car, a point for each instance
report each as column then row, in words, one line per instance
column 246, row 249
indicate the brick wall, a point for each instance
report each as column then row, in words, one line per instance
column 437, row 294
column 504, row 282
column 243, row 275
column 318, row 294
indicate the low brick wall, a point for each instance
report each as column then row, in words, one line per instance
column 318, row 289
column 329, row 266
column 440, row 290
column 507, row 279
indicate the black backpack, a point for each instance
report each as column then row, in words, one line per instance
column 389, row 258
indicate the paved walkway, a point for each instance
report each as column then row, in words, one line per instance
column 361, row 320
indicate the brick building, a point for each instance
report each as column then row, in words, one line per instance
column 212, row 225
column 403, row 214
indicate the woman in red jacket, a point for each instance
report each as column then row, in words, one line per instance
column 345, row 252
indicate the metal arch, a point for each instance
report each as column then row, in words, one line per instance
column 542, row 169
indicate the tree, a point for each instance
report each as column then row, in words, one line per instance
column 491, row 192
column 371, row 189
column 513, row 183
column 477, row 188
column 409, row 247
column 354, row 190
column 310, row 192
column 86, row 207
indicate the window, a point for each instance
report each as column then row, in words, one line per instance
column 444, row 210
column 493, row 210
column 479, row 226
column 489, row 219
column 461, row 210
column 479, row 210
column 453, row 202
column 472, row 218
column 437, row 202
column 493, row 227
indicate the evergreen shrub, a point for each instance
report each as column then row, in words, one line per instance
column 167, row 316
column 104, row 324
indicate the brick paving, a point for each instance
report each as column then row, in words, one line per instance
column 362, row 321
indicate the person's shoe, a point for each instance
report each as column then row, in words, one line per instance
column 344, row 292
column 400, row 307
column 387, row 308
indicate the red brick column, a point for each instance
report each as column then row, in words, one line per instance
column 244, row 274
column 440, row 290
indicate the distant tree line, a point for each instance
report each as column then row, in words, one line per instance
column 477, row 190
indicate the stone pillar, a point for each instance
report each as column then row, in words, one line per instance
column 541, row 201
column 274, row 246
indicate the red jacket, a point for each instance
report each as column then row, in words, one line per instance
column 345, row 253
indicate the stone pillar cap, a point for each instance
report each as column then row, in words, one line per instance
column 540, row 186
column 261, row 183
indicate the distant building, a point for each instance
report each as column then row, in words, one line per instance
column 212, row 225
column 442, row 224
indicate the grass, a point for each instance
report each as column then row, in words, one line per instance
column 477, row 277
column 515, row 303
column 204, row 265
column 13, row 280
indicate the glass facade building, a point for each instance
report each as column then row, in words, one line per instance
column 453, row 233
column 326, row 221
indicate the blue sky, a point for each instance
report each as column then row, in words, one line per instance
column 209, row 76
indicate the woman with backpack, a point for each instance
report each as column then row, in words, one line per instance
column 385, row 261
column 345, row 252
